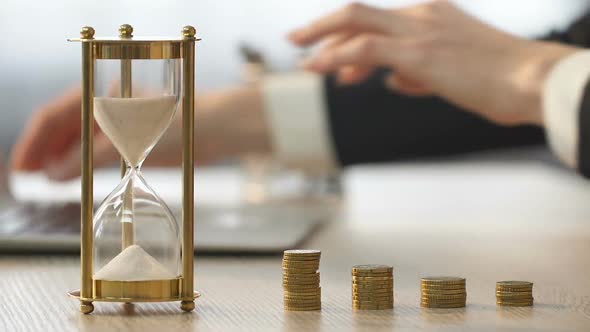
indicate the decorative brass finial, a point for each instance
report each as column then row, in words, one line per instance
column 189, row 32
column 125, row 31
column 87, row 33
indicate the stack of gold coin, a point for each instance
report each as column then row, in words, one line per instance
column 372, row 287
column 301, row 280
column 443, row 292
column 514, row 293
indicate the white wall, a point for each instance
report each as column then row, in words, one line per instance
column 36, row 62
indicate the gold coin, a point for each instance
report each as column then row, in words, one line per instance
column 292, row 280
column 369, row 304
column 301, row 284
column 362, row 276
column 291, row 265
column 289, row 273
column 361, row 294
column 304, row 292
column 442, row 287
column 373, row 282
column 512, row 296
column 288, row 262
column 369, row 287
column 302, row 298
column 372, row 268
column 371, row 290
column 374, row 301
column 299, row 287
column 372, row 278
column 317, row 308
column 302, row 301
column 311, row 298
column 302, row 281
column 314, row 267
column 299, row 272
column 305, row 296
column 372, row 297
column 303, row 305
column 307, row 276
column 301, row 259
column 443, row 291
column 300, row 290
column 442, row 280
column 444, row 297
column 515, row 304
column 442, row 305
column 365, row 288
column 302, row 252
column 514, row 284
column 514, row 290
column 373, row 307
column 443, row 301
column 307, row 308
column 305, row 259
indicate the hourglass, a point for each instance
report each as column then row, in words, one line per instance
column 132, row 249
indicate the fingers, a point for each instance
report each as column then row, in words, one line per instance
column 68, row 167
column 406, row 86
column 363, row 50
column 352, row 18
column 49, row 133
column 354, row 74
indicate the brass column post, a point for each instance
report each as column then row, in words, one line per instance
column 128, row 232
column 86, row 248
column 188, row 168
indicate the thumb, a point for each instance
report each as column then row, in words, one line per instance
column 69, row 166
column 406, row 86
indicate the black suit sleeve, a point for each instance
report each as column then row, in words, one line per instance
column 584, row 133
column 369, row 123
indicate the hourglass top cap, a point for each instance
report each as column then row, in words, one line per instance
column 125, row 31
column 125, row 35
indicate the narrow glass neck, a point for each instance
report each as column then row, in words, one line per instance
column 130, row 170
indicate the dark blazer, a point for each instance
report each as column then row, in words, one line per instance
column 370, row 123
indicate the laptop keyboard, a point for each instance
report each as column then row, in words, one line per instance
column 40, row 218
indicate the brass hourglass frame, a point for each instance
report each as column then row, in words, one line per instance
column 127, row 48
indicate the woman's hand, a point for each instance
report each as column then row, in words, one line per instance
column 436, row 49
column 228, row 123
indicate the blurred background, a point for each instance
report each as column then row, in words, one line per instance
column 36, row 62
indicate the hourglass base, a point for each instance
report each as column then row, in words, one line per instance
column 87, row 307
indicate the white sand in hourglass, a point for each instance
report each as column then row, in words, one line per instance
column 134, row 126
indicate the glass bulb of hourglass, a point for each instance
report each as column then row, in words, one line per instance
column 136, row 235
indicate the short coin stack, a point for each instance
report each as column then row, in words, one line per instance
column 443, row 292
column 514, row 293
column 301, row 280
column 372, row 287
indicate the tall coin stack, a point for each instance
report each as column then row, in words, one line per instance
column 514, row 293
column 372, row 287
column 443, row 292
column 301, row 280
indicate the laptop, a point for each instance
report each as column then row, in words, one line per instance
column 54, row 227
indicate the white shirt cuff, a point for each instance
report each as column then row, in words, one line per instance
column 562, row 97
column 296, row 110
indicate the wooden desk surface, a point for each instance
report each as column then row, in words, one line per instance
column 505, row 225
